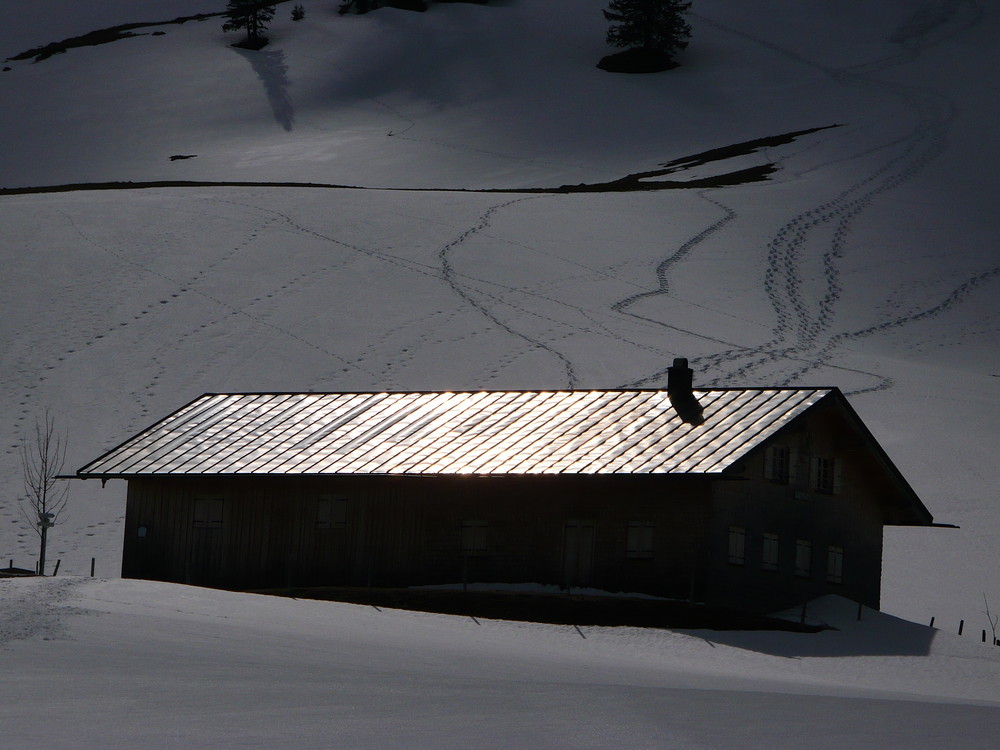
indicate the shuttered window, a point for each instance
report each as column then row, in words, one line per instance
column 835, row 564
column 331, row 512
column 769, row 552
column 639, row 541
column 737, row 545
column 825, row 475
column 803, row 558
column 779, row 464
column 208, row 512
column 474, row 535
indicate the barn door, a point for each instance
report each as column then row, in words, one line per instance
column 578, row 553
column 204, row 565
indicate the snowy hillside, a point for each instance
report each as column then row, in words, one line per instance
column 862, row 255
column 840, row 231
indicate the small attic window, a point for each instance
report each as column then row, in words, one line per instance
column 825, row 475
column 778, row 464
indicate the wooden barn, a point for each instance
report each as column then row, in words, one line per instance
column 755, row 497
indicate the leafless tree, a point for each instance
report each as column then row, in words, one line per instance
column 992, row 618
column 42, row 458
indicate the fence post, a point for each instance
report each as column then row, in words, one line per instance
column 92, row 561
column 56, row 571
column 932, row 623
column 961, row 626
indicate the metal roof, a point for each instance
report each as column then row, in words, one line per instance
column 434, row 433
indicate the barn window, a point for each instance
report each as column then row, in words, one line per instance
column 737, row 545
column 769, row 552
column 825, row 475
column 778, row 464
column 331, row 512
column 208, row 512
column 639, row 539
column 474, row 537
column 803, row 558
column 835, row 564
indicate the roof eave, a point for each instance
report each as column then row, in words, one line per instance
column 913, row 512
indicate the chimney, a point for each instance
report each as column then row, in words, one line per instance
column 680, row 378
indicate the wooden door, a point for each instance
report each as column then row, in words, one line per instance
column 578, row 553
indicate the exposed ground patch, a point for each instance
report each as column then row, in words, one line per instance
column 637, row 181
column 102, row 36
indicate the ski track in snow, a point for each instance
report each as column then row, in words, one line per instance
column 805, row 310
column 803, row 337
column 476, row 302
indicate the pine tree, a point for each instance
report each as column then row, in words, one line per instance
column 649, row 24
column 252, row 15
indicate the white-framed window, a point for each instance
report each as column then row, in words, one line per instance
column 835, row 564
column 803, row 558
column 779, row 464
column 769, row 552
column 825, row 475
column 208, row 512
column 331, row 512
column 737, row 545
column 474, row 535
column 639, row 539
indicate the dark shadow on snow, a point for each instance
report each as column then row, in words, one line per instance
column 874, row 634
column 558, row 609
column 272, row 71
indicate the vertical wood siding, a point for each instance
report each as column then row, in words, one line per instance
column 408, row 531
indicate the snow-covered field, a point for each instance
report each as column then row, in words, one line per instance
column 867, row 260
column 109, row 664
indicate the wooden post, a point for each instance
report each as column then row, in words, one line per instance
column 41, row 555
column 93, row 560
column 58, row 563
column 961, row 626
column 932, row 622
column 984, row 635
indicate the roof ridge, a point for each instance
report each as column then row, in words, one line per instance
column 518, row 390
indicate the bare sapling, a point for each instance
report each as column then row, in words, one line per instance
column 45, row 496
column 992, row 618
